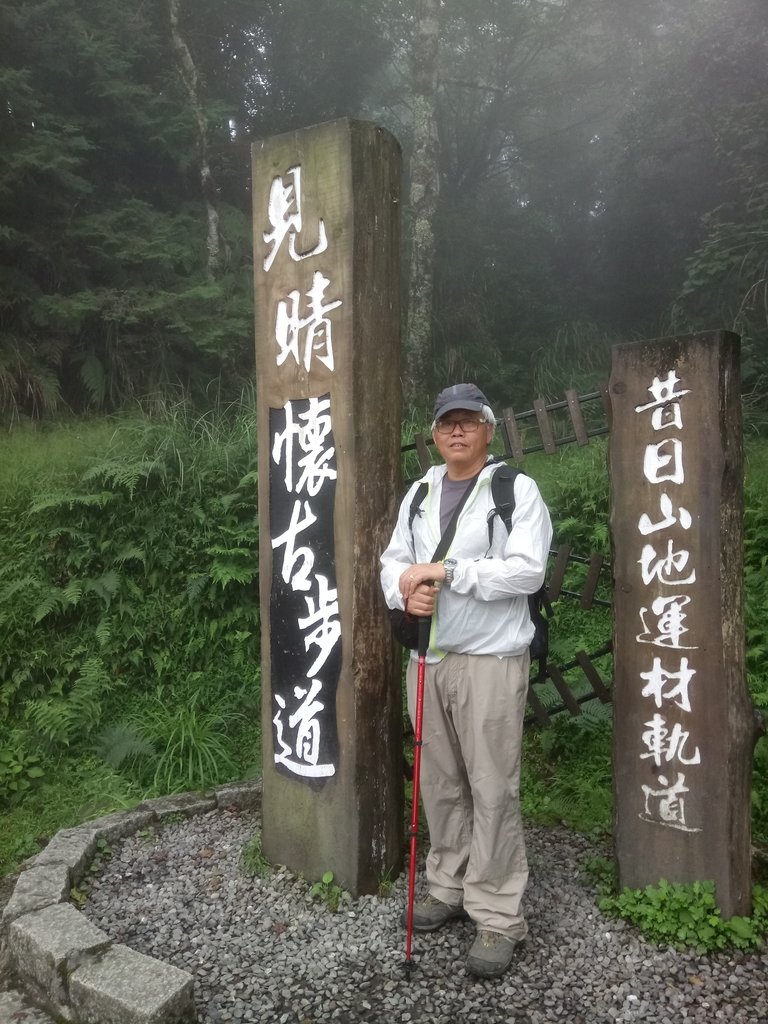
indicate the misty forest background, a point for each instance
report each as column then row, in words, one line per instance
column 577, row 173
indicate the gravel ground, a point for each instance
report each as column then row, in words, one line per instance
column 262, row 950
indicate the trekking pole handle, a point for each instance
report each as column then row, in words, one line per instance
column 425, row 627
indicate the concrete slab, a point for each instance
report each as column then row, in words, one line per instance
column 120, row 824
column 44, row 947
column 36, row 888
column 122, row 986
column 183, row 803
column 242, row 795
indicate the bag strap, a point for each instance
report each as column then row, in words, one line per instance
column 503, row 493
column 418, row 496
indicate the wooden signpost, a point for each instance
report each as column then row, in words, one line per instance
column 326, row 265
column 684, row 726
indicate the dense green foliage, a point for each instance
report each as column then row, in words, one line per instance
column 103, row 290
column 129, row 610
column 129, row 607
column 602, row 177
column 688, row 916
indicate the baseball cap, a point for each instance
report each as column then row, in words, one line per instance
column 459, row 396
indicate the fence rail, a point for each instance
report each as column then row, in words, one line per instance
column 558, row 423
column 571, row 699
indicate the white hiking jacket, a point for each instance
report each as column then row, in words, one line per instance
column 485, row 611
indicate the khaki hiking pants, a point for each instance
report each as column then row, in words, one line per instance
column 472, row 728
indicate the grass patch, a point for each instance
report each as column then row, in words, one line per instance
column 566, row 774
column 76, row 791
column 37, row 455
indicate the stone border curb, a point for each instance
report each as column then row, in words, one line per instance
column 66, row 964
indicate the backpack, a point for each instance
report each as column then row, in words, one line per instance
column 539, row 606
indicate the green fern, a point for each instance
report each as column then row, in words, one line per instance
column 122, row 744
column 103, row 633
column 121, row 473
column 130, row 553
column 74, row 711
column 51, row 601
column 24, row 585
column 69, row 501
column 93, row 377
column 73, row 592
column 105, row 586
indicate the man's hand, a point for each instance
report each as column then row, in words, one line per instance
column 419, row 586
column 421, row 603
column 424, row 572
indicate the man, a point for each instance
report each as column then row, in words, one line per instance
column 476, row 676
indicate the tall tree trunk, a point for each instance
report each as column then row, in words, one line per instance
column 189, row 77
column 424, row 188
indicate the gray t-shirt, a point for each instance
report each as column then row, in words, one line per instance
column 452, row 493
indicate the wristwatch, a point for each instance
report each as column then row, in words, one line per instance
column 449, row 564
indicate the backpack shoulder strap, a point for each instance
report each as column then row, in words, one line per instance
column 418, row 496
column 503, row 494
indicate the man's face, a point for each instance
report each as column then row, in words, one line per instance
column 464, row 447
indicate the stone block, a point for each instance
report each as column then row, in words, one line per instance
column 37, row 888
column 73, row 847
column 44, row 948
column 122, row 986
column 183, row 803
column 242, row 795
column 120, row 824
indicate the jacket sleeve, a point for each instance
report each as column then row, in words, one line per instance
column 399, row 554
column 519, row 567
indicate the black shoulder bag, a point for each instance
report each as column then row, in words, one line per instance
column 405, row 626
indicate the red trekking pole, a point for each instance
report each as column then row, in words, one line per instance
column 424, row 628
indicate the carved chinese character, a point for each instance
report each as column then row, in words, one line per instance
column 324, row 615
column 666, row 805
column 303, row 759
column 284, row 212
column 292, row 556
column 664, row 461
column 669, row 626
column 659, row 678
column 666, row 744
column 311, row 431
column 305, row 337
column 669, row 517
column 665, row 568
column 666, row 411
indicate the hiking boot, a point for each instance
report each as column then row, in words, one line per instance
column 490, row 955
column 431, row 914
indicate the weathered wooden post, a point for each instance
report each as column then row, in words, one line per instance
column 326, row 258
column 684, row 727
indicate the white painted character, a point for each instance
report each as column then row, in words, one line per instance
column 297, row 561
column 666, row 408
column 669, row 517
column 666, row 805
column 659, row 678
column 666, row 568
column 284, row 213
column 306, row 337
column 670, row 623
column 324, row 615
column 664, row 461
column 663, row 743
